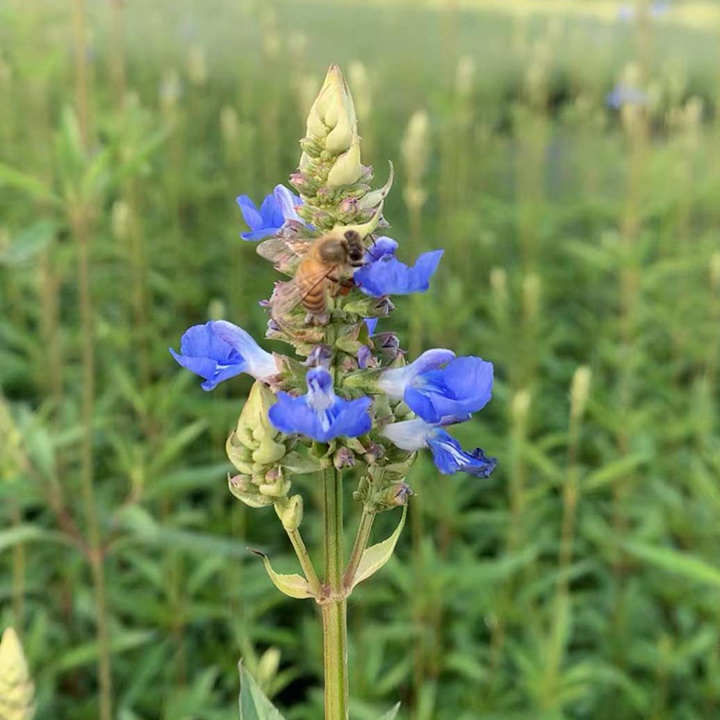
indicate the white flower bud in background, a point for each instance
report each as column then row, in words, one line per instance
column 415, row 152
column 520, row 408
column 11, row 455
column 580, row 391
column 267, row 668
column 362, row 90
column 271, row 41
column 531, row 292
column 499, row 290
column 229, row 127
column 16, row 688
column 465, row 77
column 197, row 65
column 170, row 90
column 121, row 220
column 216, row 309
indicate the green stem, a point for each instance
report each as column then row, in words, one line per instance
column 361, row 541
column 334, row 611
column 304, row 558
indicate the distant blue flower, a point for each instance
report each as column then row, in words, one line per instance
column 462, row 385
column 219, row 350
column 448, row 455
column 627, row 12
column 320, row 414
column 276, row 209
column 624, row 94
column 384, row 274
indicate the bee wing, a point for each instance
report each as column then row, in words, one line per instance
column 288, row 295
column 284, row 253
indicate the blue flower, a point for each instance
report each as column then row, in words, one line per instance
column 448, row 455
column 320, row 414
column 219, row 350
column 275, row 210
column 624, row 94
column 438, row 384
column 384, row 274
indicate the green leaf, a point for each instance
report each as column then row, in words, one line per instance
column 294, row 585
column 689, row 566
column 87, row 653
column 391, row 714
column 11, row 177
column 28, row 243
column 30, row 533
column 253, row 704
column 376, row 556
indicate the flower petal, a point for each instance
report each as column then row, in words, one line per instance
column 395, row 382
column 389, row 276
column 287, row 202
column 207, row 355
column 260, row 363
column 250, row 213
column 382, row 247
column 450, row 458
column 320, row 414
column 294, row 415
column 408, row 435
column 463, row 386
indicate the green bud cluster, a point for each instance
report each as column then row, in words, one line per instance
column 332, row 181
column 262, row 455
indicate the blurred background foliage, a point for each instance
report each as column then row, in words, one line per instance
column 582, row 257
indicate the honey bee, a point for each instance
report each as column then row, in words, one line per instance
column 325, row 268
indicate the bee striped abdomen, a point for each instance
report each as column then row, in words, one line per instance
column 312, row 280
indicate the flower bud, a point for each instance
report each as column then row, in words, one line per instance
column 332, row 116
column 11, row 454
column 580, row 391
column 274, row 484
column 243, row 488
column 197, row 65
column 16, row 688
column 229, row 127
column 170, row 90
column 343, row 458
column 121, row 220
column 531, row 287
column 290, row 512
column 256, row 449
column 268, row 667
column 347, row 168
column 374, row 453
column 397, row 495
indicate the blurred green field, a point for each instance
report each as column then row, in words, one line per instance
column 582, row 580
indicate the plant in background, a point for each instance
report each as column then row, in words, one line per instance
column 353, row 402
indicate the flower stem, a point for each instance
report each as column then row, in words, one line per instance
column 361, row 541
column 304, row 558
column 334, row 612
